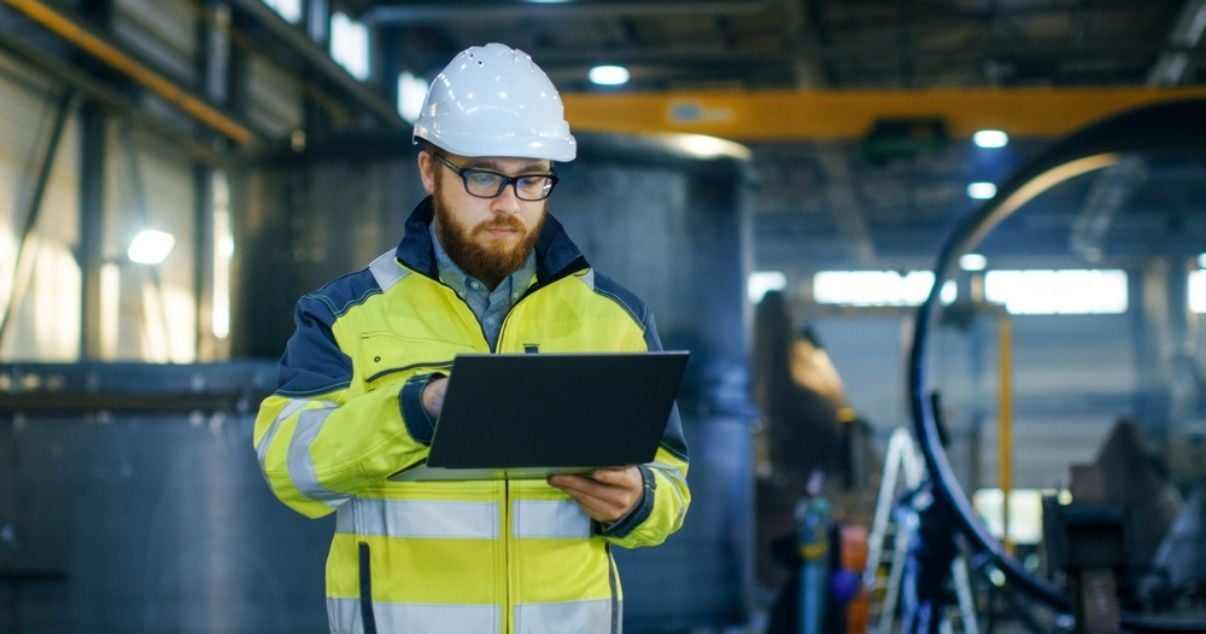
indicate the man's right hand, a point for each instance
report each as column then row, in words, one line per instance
column 433, row 395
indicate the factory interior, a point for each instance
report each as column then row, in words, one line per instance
column 940, row 266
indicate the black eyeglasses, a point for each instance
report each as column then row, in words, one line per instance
column 488, row 184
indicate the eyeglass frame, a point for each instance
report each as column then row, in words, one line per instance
column 513, row 181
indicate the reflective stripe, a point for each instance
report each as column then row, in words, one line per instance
column 266, row 442
column 407, row 518
column 549, row 518
column 299, row 462
column 386, row 271
column 412, row 618
column 588, row 278
column 580, row 617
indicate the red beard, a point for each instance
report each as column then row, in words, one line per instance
column 490, row 265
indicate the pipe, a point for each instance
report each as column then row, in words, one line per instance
column 1174, row 125
column 65, row 28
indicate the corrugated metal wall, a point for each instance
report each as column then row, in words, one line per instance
column 45, row 325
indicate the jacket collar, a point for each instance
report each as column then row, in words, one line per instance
column 556, row 255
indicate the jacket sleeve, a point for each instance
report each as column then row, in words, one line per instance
column 319, row 441
column 666, row 496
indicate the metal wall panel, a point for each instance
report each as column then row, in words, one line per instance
column 46, row 324
column 149, row 520
column 148, row 177
column 274, row 98
column 161, row 31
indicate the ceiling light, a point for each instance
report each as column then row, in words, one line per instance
column 981, row 190
column 609, row 75
column 1202, row 260
column 151, row 246
column 990, row 138
column 973, row 262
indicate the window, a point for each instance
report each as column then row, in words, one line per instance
column 762, row 281
column 1058, row 292
column 1197, row 291
column 412, row 91
column 350, row 45
column 288, row 9
column 876, row 288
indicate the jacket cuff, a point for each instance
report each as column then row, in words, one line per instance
column 419, row 423
column 639, row 513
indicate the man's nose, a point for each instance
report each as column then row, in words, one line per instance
column 506, row 202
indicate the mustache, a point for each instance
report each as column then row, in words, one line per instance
column 507, row 222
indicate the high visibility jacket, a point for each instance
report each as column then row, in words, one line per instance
column 446, row 557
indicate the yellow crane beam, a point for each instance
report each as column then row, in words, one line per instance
column 846, row 114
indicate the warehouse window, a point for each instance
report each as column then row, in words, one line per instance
column 1058, row 292
column 350, row 45
column 1197, row 291
column 877, row 288
column 288, row 9
column 412, row 92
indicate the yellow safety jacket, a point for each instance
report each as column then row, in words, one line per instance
column 446, row 557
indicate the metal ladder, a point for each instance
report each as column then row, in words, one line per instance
column 903, row 460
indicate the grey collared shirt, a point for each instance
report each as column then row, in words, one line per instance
column 490, row 307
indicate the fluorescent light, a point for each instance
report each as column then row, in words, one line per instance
column 981, row 190
column 151, row 246
column 973, row 262
column 990, row 138
column 609, row 75
column 1202, row 261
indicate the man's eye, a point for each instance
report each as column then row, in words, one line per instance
column 482, row 179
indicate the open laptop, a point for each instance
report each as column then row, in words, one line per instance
column 532, row 415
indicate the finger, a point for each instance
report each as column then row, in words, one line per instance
column 596, row 508
column 622, row 476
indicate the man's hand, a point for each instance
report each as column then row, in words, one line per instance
column 433, row 395
column 607, row 495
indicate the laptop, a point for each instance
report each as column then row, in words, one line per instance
column 520, row 416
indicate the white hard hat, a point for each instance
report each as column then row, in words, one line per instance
column 493, row 100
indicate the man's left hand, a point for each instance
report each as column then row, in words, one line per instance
column 607, row 495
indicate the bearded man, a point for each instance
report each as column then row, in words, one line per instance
column 482, row 268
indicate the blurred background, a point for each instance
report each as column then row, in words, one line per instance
column 775, row 177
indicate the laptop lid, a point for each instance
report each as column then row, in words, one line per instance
column 527, row 415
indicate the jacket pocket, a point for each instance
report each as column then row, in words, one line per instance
column 387, row 358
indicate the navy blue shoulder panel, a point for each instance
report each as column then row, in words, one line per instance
column 673, row 439
column 313, row 363
column 625, row 298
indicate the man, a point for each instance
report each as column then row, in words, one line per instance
column 482, row 267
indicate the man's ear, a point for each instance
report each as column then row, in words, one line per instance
column 427, row 168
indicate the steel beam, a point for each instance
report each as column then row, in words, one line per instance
column 784, row 115
column 485, row 10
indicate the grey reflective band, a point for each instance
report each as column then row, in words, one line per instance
column 580, row 617
column 549, row 518
column 415, row 618
column 386, row 271
column 261, row 451
column 419, row 518
column 299, row 462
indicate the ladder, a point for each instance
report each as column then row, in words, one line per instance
column 889, row 541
